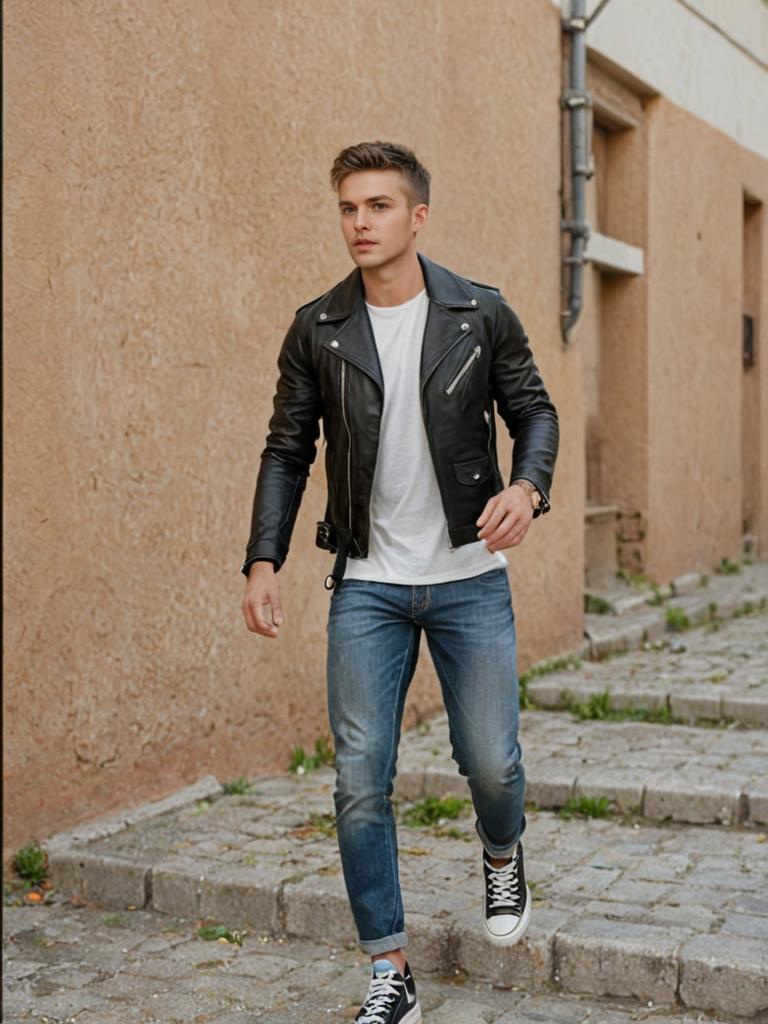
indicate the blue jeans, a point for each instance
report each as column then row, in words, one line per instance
column 373, row 641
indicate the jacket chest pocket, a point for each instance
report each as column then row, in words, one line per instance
column 463, row 370
column 473, row 472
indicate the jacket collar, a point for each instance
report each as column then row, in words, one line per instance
column 443, row 287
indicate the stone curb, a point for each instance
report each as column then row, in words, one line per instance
column 689, row 707
column 565, row 953
column 572, row 952
column 614, row 634
column 667, row 799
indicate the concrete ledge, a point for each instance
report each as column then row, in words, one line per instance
column 725, row 977
column 597, row 956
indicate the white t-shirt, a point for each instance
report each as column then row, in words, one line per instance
column 409, row 540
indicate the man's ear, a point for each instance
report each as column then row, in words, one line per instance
column 419, row 216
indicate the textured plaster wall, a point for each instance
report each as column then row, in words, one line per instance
column 695, row 273
column 167, row 208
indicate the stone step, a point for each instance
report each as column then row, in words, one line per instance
column 704, row 675
column 674, row 915
column 658, row 772
column 625, row 618
column 622, row 596
column 65, row 962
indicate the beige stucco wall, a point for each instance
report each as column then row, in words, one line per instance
column 167, row 208
column 695, row 300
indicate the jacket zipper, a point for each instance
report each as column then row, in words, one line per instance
column 491, row 456
column 475, row 355
column 349, row 439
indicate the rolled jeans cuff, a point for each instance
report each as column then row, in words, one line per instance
column 493, row 849
column 374, row 946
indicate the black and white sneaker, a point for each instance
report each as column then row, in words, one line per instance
column 391, row 997
column 507, row 900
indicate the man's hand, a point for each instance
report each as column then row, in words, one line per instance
column 506, row 518
column 261, row 591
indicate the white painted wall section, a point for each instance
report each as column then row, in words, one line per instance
column 666, row 45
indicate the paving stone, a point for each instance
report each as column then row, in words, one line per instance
column 725, row 977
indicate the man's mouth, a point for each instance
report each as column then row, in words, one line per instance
column 362, row 243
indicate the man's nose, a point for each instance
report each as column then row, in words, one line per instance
column 361, row 220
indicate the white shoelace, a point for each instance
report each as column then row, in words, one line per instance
column 503, row 885
column 379, row 999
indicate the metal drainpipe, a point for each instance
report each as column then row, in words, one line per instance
column 576, row 99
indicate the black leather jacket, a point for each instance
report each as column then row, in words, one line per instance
column 475, row 352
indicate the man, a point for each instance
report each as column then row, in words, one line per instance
column 403, row 362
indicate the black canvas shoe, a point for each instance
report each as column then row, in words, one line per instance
column 507, row 900
column 391, row 997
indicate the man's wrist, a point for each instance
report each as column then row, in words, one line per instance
column 531, row 490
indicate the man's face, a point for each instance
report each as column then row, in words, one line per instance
column 378, row 222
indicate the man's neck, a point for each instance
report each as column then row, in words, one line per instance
column 394, row 284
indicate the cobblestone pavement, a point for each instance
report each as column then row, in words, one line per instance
column 686, row 774
column 702, row 674
column 656, row 904
column 64, row 963
column 693, row 599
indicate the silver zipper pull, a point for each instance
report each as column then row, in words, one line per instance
column 475, row 355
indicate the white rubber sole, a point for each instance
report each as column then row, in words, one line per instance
column 413, row 1016
column 520, row 929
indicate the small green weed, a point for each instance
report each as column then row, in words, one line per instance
column 598, row 708
column 635, row 579
column 218, row 933
column 541, row 669
column 586, row 807
column 596, row 605
column 657, row 599
column 301, row 762
column 677, row 620
column 116, row 921
column 325, row 823
column 239, row 787
column 432, row 810
column 727, row 567
column 31, row 863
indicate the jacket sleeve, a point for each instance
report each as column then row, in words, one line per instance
column 523, row 403
column 288, row 453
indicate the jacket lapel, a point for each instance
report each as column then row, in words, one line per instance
column 450, row 306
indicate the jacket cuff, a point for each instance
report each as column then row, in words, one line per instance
column 245, row 568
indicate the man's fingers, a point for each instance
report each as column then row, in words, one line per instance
column 489, row 507
column 497, row 515
column 495, row 532
column 277, row 610
column 511, row 538
column 254, row 606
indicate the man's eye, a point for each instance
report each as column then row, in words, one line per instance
column 380, row 206
column 347, row 209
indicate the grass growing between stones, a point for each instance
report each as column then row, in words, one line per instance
column 598, row 708
column 596, row 605
column 301, row 762
column 239, row 787
column 31, row 863
column 432, row 811
column 677, row 620
column 586, row 807
column 542, row 669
